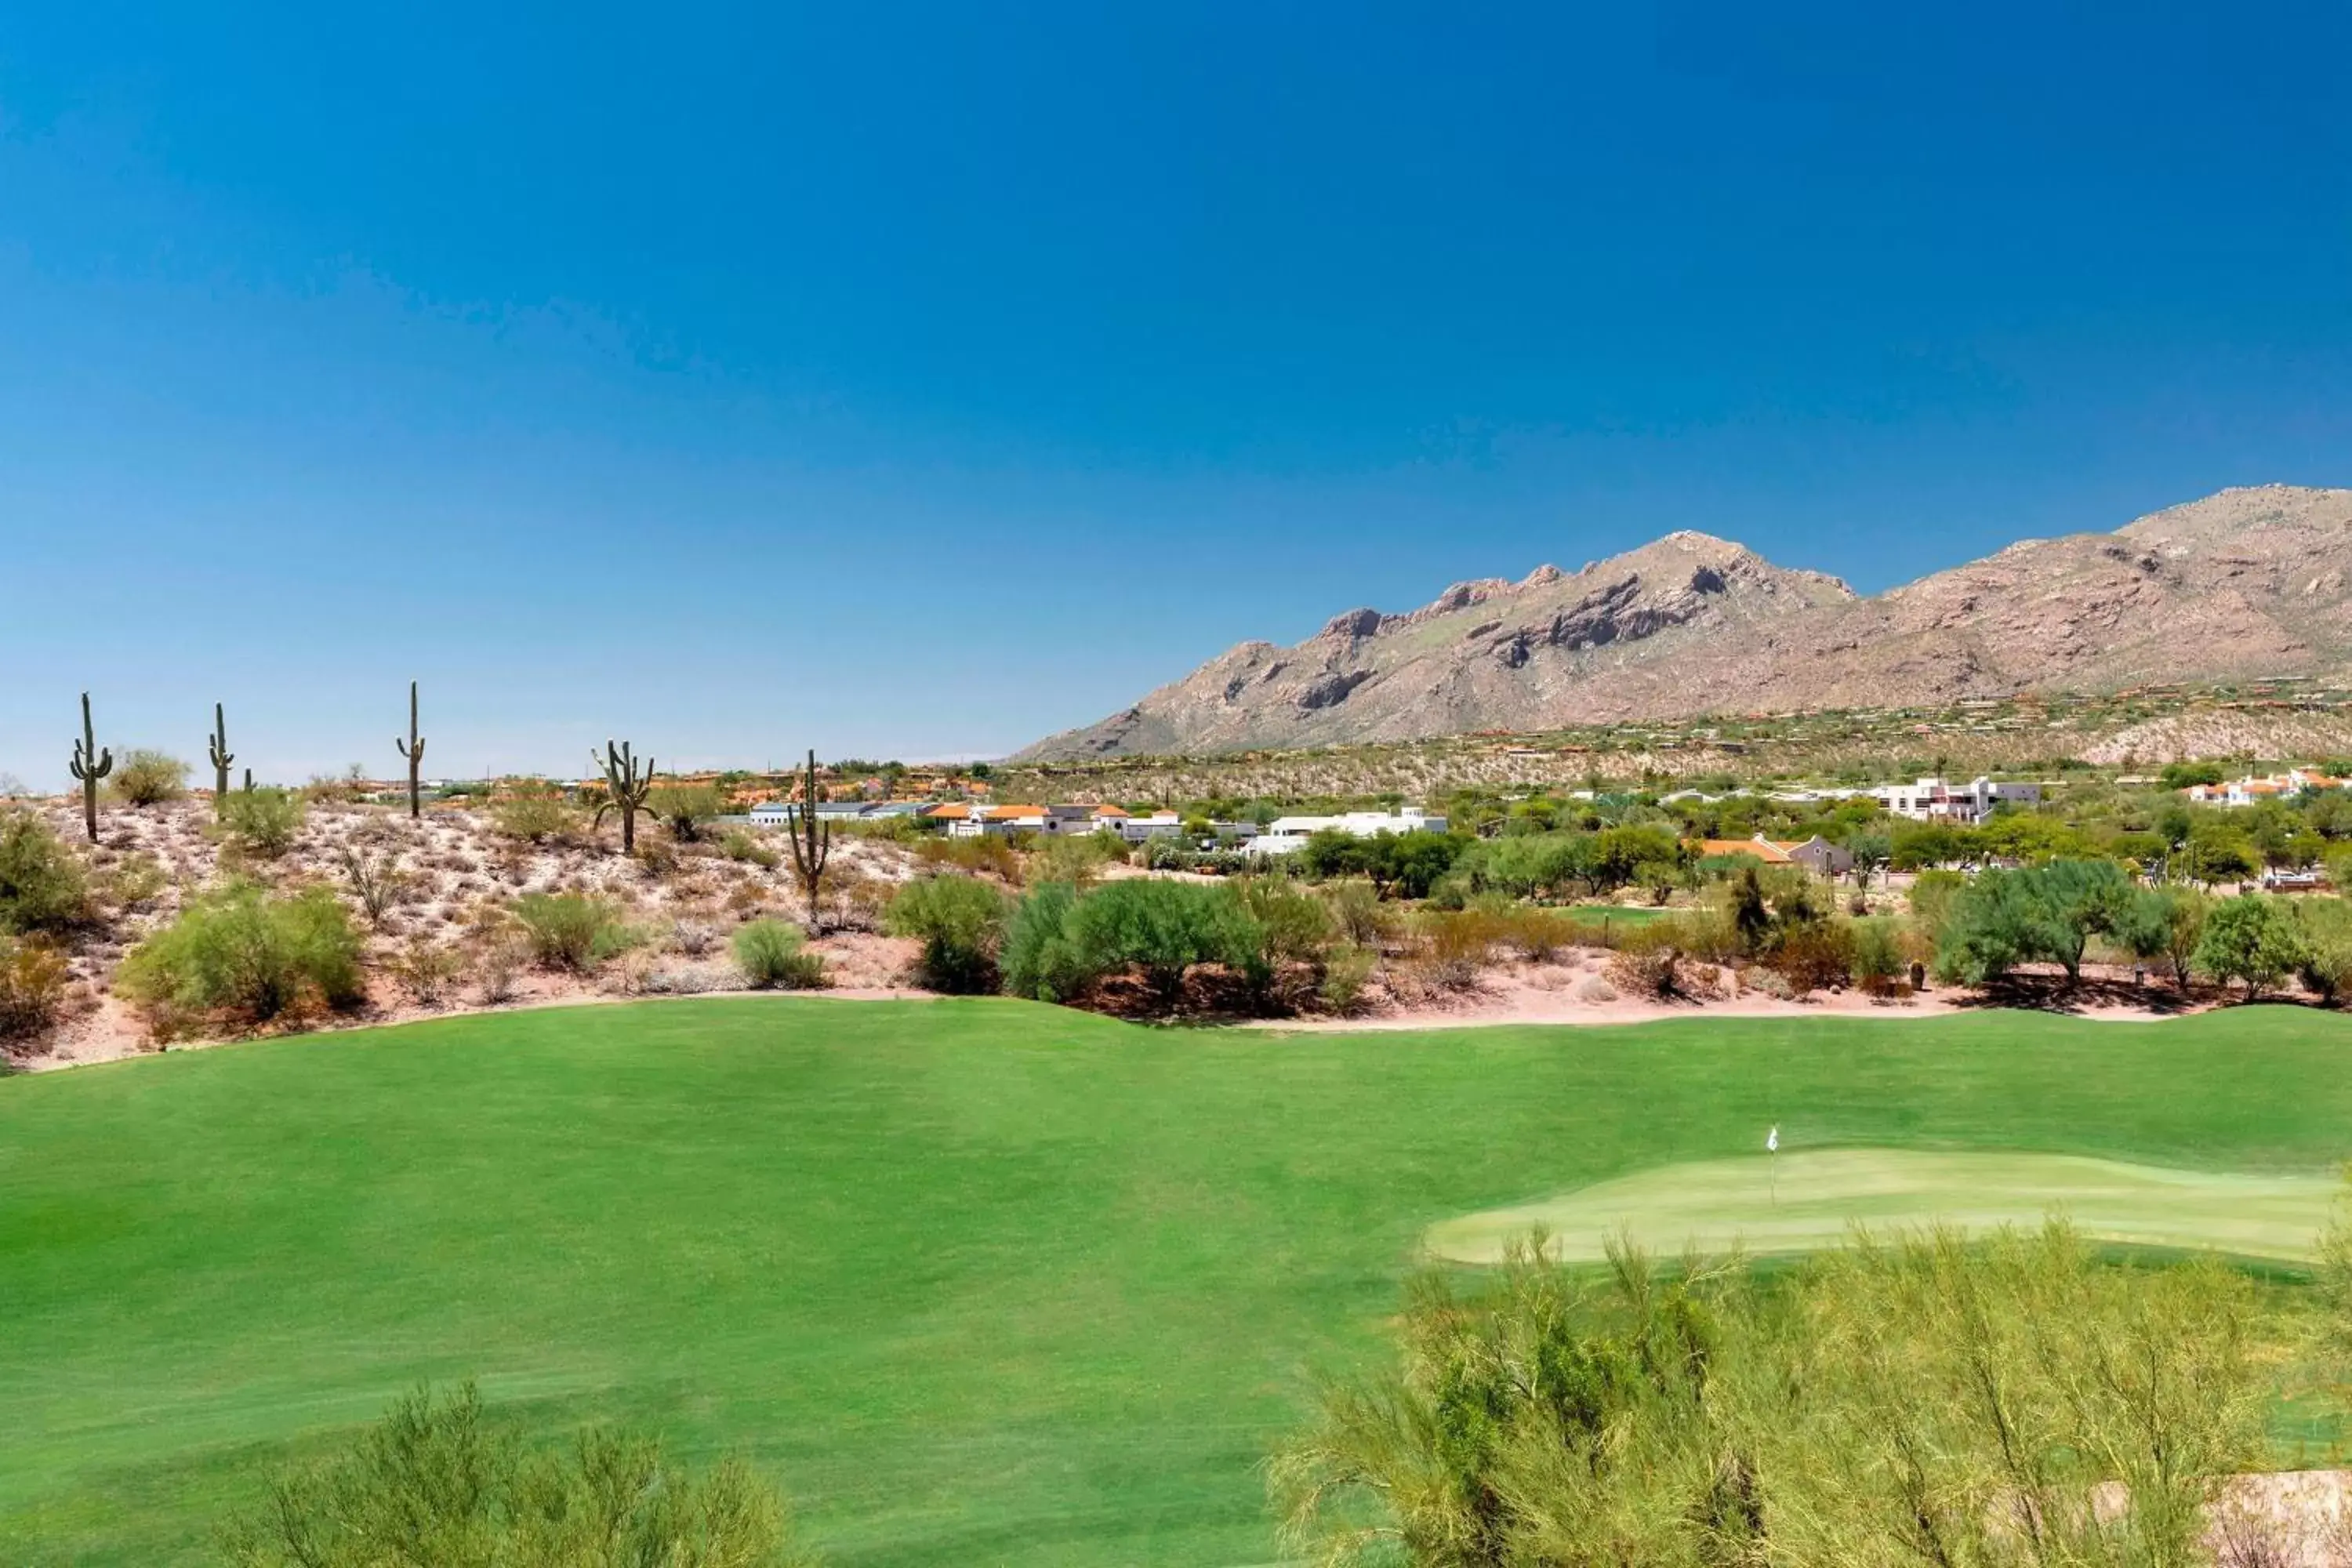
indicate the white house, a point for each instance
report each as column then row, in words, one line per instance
column 2277, row 786
column 1285, row 834
column 1935, row 800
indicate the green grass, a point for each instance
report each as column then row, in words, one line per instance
column 980, row 1282
column 1803, row 1201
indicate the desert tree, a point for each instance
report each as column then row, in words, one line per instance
column 91, row 765
column 413, row 750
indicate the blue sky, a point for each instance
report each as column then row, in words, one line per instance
column 916, row 380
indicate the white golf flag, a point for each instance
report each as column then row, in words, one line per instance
column 1772, row 1140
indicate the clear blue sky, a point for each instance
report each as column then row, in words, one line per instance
column 916, row 379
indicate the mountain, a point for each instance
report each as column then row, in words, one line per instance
column 2251, row 582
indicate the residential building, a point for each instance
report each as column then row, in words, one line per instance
column 970, row 819
column 2250, row 790
column 786, row 813
column 1936, row 800
column 1285, row 834
column 1087, row 819
column 1816, row 854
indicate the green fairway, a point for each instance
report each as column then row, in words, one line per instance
column 978, row 1282
column 1803, row 1201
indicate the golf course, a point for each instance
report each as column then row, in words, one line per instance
column 986, row 1281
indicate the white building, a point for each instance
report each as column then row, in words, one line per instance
column 2250, row 790
column 1285, row 834
column 1935, row 800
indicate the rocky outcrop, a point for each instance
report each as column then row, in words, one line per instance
column 2251, row 581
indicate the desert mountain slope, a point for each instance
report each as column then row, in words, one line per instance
column 2248, row 581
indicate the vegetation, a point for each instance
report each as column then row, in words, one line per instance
column 91, row 765
column 263, row 823
column 248, row 955
column 1914, row 1401
column 433, row 1482
column 533, row 811
column 977, row 1282
column 2252, row 940
column 625, row 788
column 32, row 987
column 571, row 930
column 960, row 921
column 148, row 777
column 44, row 887
column 812, row 843
column 217, row 752
column 684, row 809
column 774, row 957
column 413, row 751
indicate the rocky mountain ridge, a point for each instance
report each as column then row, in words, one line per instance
column 2250, row 582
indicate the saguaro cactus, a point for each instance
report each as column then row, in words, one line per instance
column 89, row 765
column 625, row 789
column 413, row 750
column 812, row 841
column 222, row 756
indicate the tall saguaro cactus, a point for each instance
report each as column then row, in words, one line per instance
column 222, row 756
column 812, row 841
column 625, row 788
column 89, row 765
column 413, row 750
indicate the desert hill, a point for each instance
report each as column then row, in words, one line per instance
column 2251, row 582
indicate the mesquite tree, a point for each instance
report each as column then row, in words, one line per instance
column 413, row 750
column 625, row 788
column 812, row 841
column 222, row 756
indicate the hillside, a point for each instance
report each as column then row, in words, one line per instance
column 2249, row 583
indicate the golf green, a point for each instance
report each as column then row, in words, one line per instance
column 1804, row 1201
column 976, row 1282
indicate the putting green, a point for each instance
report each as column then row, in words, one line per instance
column 1816, row 1197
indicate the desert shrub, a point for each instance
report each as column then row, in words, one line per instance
column 1456, row 947
column 32, row 987
column 774, row 956
column 132, row 881
column 1877, row 957
column 532, row 811
column 692, row 938
column 262, row 823
column 741, row 844
column 245, row 952
column 1816, row 955
column 1358, row 914
column 1347, row 972
column 684, row 809
column 428, row 970
column 960, row 921
column 1161, row 929
column 2166, row 923
column 1041, row 961
column 1652, row 972
column 2252, row 940
column 987, row 852
column 433, row 1482
column 1294, row 924
column 374, row 878
column 1076, row 858
column 1931, row 898
column 146, row 777
column 1538, row 934
column 43, row 886
column 1915, row 1400
column 571, row 930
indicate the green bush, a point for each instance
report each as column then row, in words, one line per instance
column 741, row 844
column 43, row 884
column 774, row 957
column 571, row 930
column 1161, row 929
column 684, row 808
column 2327, row 929
column 434, row 1483
column 243, row 951
column 1040, row 961
column 147, row 777
column 2252, row 940
column 534, row 811
column 1347, row 971
column 1877, row 957
column 262, row 823
column 959, row 921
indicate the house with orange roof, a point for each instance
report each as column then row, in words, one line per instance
column 2250, row 791
column 1816, row 854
